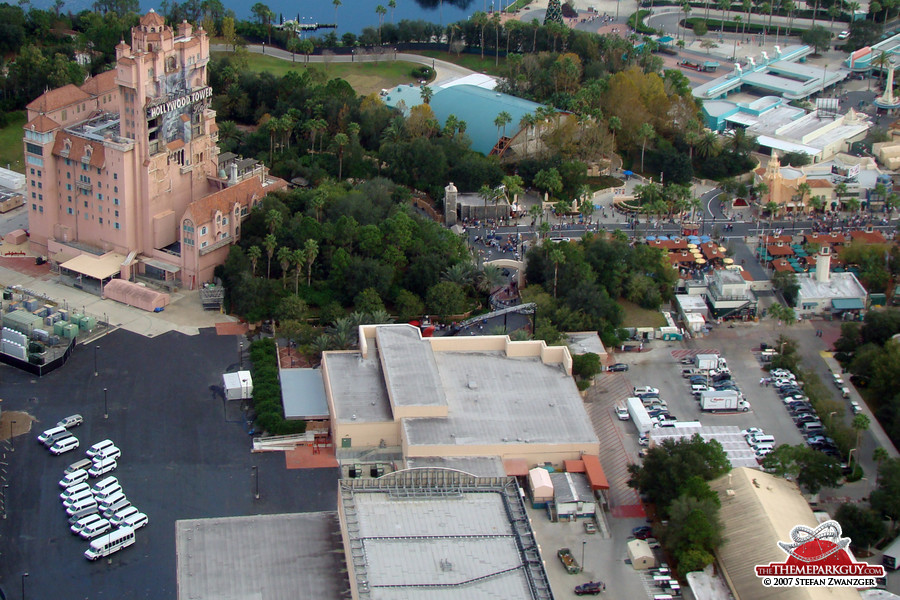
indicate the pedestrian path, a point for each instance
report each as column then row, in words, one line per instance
column 609, row 390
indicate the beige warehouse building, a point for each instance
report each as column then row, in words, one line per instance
column 452, row 397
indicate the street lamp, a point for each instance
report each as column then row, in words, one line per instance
column 241, row 354
column 96, row 372
column 5, row 487
column 24, row 575
column 105, row 406
column 583, row 544
column 256, row 480
column 12, row 444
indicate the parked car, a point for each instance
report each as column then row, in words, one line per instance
column 642, row 532
column 590, row 527
column 646, row 390
column 591, row 588
column 855, row 407
column 618, row 367
column 751, row 431
column 71, row 421
column 843, row 35
column 652, row 542
column 622, row 413
column 52, row 435
column 66, row 444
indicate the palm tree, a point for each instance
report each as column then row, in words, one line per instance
column 556, row 257
column 489, row 278
column 891, row 202
column 615, row 124
column 512, row 187
column 380, row 11
column 392, row 4
column 879, row 455
column 341, row 140
column 859, row 423
column 803, row 190
column 310, row 252
column 502, row 120
column 285, row 255
column 426, row 93
column 254, row 254
column 817, row 203
column 645, row 132
column 537, row 214
column 270, row 243
column 686, row 9
column 336, row 3
column 723, row 5
column 772, row 207
column 274, row 219
column 746, row 5
column 815, row 13
column 489, row 194
column 480, row 20
column 840, row 190
column 852, row 203
column 495, row 21
column 834, row 11
column 298, row 258
column 708, row 145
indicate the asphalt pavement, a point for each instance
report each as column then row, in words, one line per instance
column 185, row 455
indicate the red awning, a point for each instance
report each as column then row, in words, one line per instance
column 573, row 466
column 596, row 476
column 516, row 467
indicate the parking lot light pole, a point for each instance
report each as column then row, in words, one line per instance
column 24, row 575
column 241, row 354
column 583, row 544
column 12, row 444
column 256, row 479
column 5, row 487
column 96, row 372
column 105, row 406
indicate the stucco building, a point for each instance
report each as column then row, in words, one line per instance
column 126, row 165
column 476, row 396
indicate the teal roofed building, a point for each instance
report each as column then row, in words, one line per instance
column 477, row 106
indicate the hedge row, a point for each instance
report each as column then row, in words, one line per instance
column 267, row 390
column 733, row 26
column 636, row 22
column 738, row 8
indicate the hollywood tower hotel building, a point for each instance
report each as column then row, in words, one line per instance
column 123, row 173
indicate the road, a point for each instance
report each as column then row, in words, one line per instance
column 444, row 70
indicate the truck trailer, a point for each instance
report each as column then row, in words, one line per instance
column 639, row 415
column 725, row 401
column 891, row 557
column 706, row 361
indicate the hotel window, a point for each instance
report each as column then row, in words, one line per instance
column 68, row 175
column 41, row 209
column 85, row 216
column 116, row 189
column 32, row 171
column 69, row 210
column 225, row 221
column 117, row 224
column 116, row 201
column 99, row 196
column 40, row 196
column 34, row 207
column 101, row 220
column 203, row 230
column 70, row 198
column 32, row 183
column 39, row 173
column 69, row 187
column 34, row 149
column 67, row 160
column 33, row 195
column 116, row 176
column 40, row 185
column 117, row 214
column 85, row 204
column 203, row 244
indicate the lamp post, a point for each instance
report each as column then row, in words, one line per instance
column 241, row 354
column 583, row 544
column 5, row 487
column 96, row 349
column 12, row 444
column 24, row 575
column 105, row 405
column 256, row 480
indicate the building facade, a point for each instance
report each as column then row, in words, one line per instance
column 127, row 163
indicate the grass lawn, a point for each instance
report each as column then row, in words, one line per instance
column 365, row 78
column 635, row 316
column 603, row 182
column 11, row 150
column 470, row 61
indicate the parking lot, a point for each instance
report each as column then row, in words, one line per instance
column 185, row 455
column 659, row 366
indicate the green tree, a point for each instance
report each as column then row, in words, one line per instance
column 408, row 305
column 254, row 254
column 886, row 498
column 862, row 525
column 502, row 119
column 310, row 253
column 274, row 219
column 368, row 301
column 586, row 366
column 445, row 298
column 228, row 32
column 645, row 132
column 785, row 314
column 817, row 37
column 292, row 308
column 340, row 141
column 285, row 255
column 787, row 283
column 548, row 181
column 306, row 47
column 859, row 424
column 556, row 257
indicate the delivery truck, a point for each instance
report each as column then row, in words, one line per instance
column 706, row 361
column 639, row 415
column 725, row 401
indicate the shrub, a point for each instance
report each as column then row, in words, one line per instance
column 267, row 391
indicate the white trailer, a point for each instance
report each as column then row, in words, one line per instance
column 891, row 556
column 725, row 400
column 238, row 386
column 639, row 415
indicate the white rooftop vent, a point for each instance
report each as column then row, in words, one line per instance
column 352, row 417
column 472, row 384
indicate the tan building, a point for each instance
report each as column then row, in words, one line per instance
column 758, row 511
column 784, row 184
column 116, row 166
column 477, row 396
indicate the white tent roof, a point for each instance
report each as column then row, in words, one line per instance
column 540, row 482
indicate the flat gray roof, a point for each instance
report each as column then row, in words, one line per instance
column 303, row 394
column 571, row 487
column 436, row 534
column 276, row 557
column 480, row 466
column 495, row 399
column 582, row 342
column 357, row 387
column 839, row 285
column 410, row 372
column 739, row 452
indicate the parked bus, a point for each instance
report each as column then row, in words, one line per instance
column 109, row 543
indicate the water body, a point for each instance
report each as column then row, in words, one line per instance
column 354, row 15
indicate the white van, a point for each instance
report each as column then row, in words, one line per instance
column 137, row 521
column 94, row 529
column 111, row 453
column 49, row 437
column 73, row 478
column 81, row 465
column 698, row 388
column 762, row 450
column 99, row 447
column 116, row 507
column 108, row 492
column 118, row 516
column 74, row 489
column 110, row 501
column 86, row 503
column 85, row 512
column 63, row 445
column 109, row 543
column 105, row 483
column 103, row 467
column 84, row 522
column 76, row 498
column 757, row 440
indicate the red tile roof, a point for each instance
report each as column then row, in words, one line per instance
column 825, row 238
column 78, row 149
column 152, row 18
column 775, row 250
column 868, row 237
column 58, row 98
column 243, row 193
column 782, row 265
column 710, row 251
column 746, row 275
column 774, row 239
column 42, row 124
column 668, row 244
column 819, row 183
column 103, row 83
